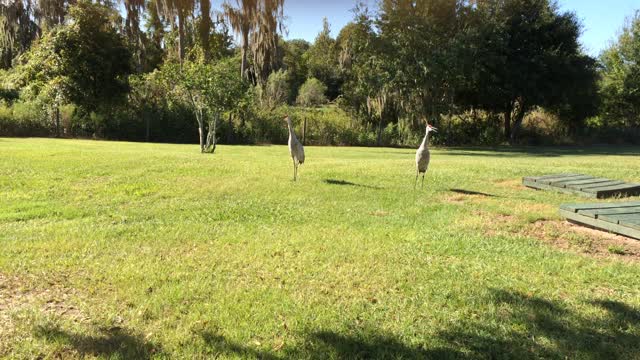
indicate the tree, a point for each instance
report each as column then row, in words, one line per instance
column 368, row 68
column 620, row 77
column 258, row 22
column 133, row 9
column 211, row 89
column 85, row 62
column 276, row 90
column 531, row 57
column 177, row 10
column 52, row 12
column 242, row 20
column 312, row 93
column 17, row 29
column 294, row 63
column 322, row 61
column 264, row 39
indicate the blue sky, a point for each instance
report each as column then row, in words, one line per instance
column 601, row 20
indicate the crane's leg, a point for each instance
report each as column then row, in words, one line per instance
column 294, row 169
column 423, row 174
column 416, row 182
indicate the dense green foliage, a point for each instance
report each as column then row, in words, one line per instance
column 312, row 93
column 620, row 82
column 482, row 71
column 132, row 251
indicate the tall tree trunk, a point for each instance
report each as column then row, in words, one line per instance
column 205, row 26
column 201, row 134
column 243, row 66
column 522, row 110
column 57, row 121
column 379, row 141
column 210, row 146
column 181, row 36
column 147, row 125
column 507, row 121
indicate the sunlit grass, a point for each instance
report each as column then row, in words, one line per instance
column 132, row 250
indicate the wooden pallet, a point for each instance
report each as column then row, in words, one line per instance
column 584, row 185
column 621, row 218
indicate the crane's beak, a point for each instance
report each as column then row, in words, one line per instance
column 434, row 129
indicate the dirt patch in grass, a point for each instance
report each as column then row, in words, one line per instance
column 19, row 294
column 455, row 199
column 379, row 213
column 561, row 234
column 510, row 183
column 577, row 238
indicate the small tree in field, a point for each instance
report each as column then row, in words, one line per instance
column 312, row 93
column 210, row 89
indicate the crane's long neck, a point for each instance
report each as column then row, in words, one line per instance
column 425, row 141
column 291, row 133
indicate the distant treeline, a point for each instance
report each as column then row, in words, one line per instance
column 484, row 72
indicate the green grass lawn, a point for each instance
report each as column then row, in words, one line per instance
column 127, row 250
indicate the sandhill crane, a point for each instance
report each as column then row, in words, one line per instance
column 295, row 148
column 423, row 156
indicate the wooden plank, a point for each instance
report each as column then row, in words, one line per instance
column 603, row 225
column 562, row 182
column 584, row 184
column 585, row 206
column 577, row 184
column 594, row 213
column 536, row 178
column 622, row 189
column 541, row 186
column 566, row 178
column 604, row 184
column 616, row 218
column 634, row 224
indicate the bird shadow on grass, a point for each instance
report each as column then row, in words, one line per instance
column 110, row 343
column 349, row 183
column 471, row 192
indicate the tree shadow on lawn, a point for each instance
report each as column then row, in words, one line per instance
column 548, row 329
column 524, row 327
column 327, row 344
column 529, row 151
column 111, row 343
column 349, row 183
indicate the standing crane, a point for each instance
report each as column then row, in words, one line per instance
column 295, row 148
column 423, row 156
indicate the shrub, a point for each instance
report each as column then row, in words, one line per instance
column 312, row 93
column 276, row 89
column 23, row 119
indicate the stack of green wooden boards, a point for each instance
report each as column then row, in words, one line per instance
column 620, row 217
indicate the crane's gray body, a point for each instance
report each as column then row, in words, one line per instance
column 423, row 156
column 422, row 159
column 295, row 149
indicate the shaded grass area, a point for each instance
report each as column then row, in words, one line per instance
column 169, row 253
